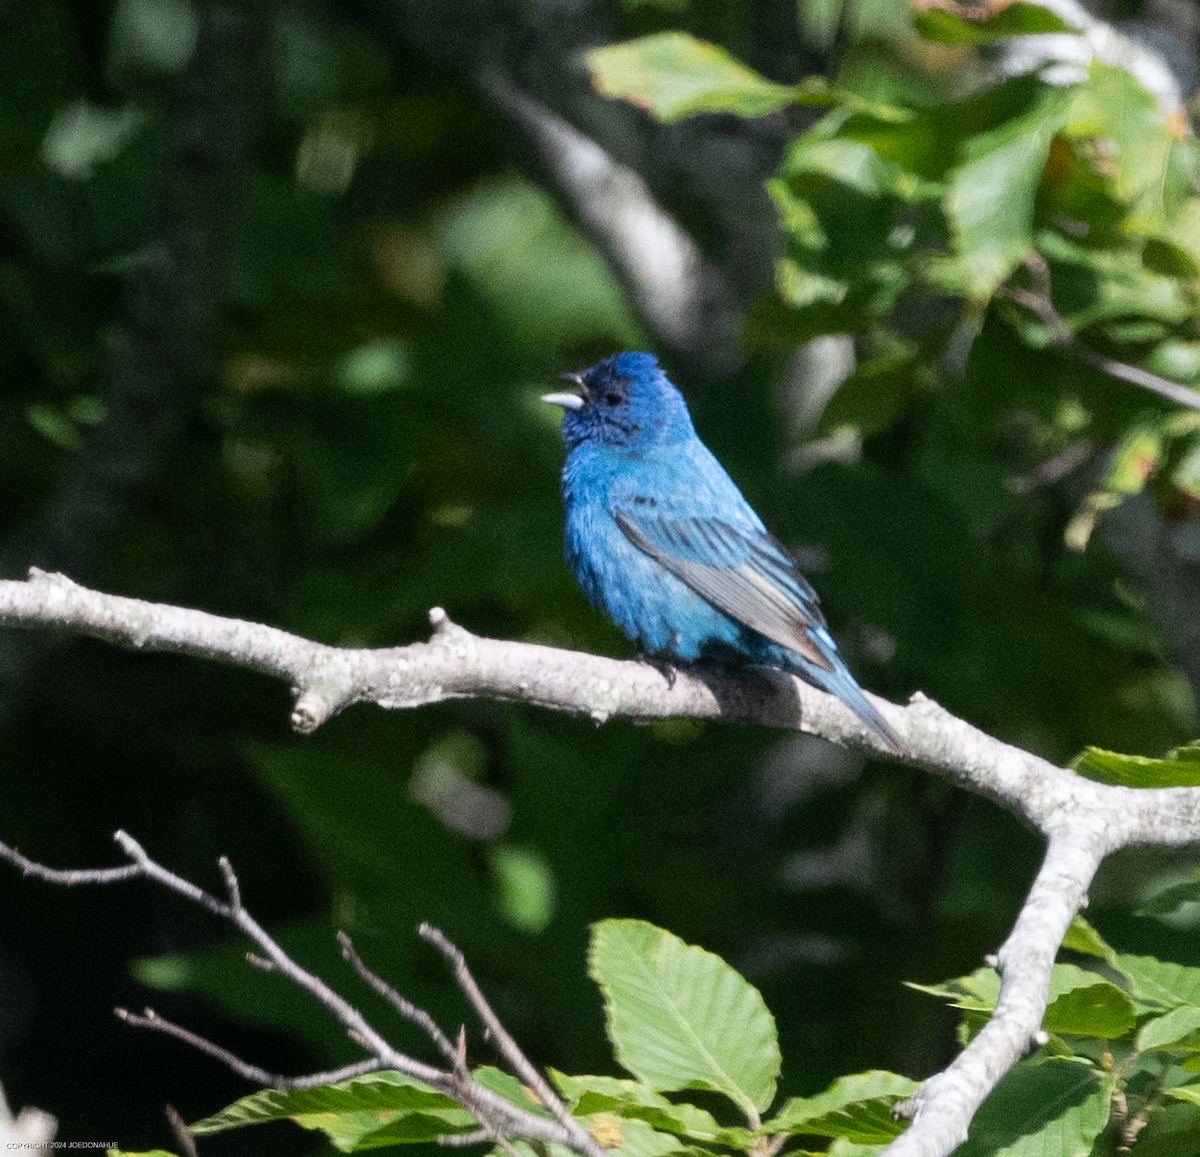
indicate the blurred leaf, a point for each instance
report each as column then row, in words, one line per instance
column 680, row 1017
column 1130, row 137
column 946, row 27
column 536, row 274
column 990, row 200
column 673, row 76
column 1171, row 899
column 1180, row 769
column 1159, row 984
column 149, row 38
column 524, row 886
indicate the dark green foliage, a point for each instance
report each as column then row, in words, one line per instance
column 364, row 442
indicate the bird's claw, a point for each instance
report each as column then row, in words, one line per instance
column 666, row 669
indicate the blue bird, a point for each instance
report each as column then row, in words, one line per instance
column 662, row 541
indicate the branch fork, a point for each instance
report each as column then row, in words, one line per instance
column 1083, row 821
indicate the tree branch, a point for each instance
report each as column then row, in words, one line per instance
column 1083, row 821
column 944, row 1105
column 1039, row 302
column 500, row 1119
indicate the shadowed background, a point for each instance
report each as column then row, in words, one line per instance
column 279, row 288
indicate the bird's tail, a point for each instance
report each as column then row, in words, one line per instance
column 840, row 683
column 860, row 705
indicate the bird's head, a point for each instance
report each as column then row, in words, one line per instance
column 623, row 400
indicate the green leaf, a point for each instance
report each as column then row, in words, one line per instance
column 1180, row 769
column 378, row 1109
column 1125, row 126
column 1079, row 1002
column 1016, row 20
column 857, row 1108
column 524, row 886
column 635, row 1138
column 990, row 201
column 1172, row 1030
column 1082, row 937
column 1082, row 1003
column 1188, row 1093
column 975, row 992
column 680, row 1017
column 1051, row 1108
column 631, row 1099
column 1172, row 899
column 1159, row 984
column 673, row 75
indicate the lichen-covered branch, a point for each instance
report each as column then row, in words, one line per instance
column 1083, row 821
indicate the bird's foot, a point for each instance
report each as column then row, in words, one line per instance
column 666, row 669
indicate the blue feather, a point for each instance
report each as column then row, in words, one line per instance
column 660, row 538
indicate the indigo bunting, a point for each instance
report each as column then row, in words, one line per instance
column 660, row 538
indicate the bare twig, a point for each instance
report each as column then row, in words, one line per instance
column 509, row 1049
column 402, row 1005
column 944, row 1105
column 184, row 1137
column 1083, row 820
column 1038, row 301
column 148, row 1018
column 500, row 1120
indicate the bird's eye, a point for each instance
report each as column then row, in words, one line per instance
column 613, row 399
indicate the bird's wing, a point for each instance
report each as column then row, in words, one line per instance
column 742, row 571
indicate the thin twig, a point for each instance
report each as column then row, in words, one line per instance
column 184, row 1137
column 499, row 1119
column 404, row 1007
column 68, row 876
column 508, row 1047
column 148, row 1018
column 1038, row 301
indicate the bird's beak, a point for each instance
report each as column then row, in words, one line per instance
column 565, row 400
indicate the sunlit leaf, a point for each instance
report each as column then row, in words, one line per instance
column 680, row 1017
column 947, row 27
column 673, row 75
column 857, row 1108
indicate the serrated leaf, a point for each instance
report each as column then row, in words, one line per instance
column 377, row 1109
column 1180, row 769
column 1052, row 1108
column 1172, row 1030
column 1159, row 984
column 1018, row 19
column 857, row 1108
column 680, row 1018
column 1079, row 1002
column 594, row 1094
column 674, row 75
